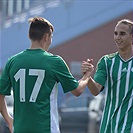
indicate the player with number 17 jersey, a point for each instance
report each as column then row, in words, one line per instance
column 35, row 89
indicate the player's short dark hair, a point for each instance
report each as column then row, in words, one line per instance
column 38, row 27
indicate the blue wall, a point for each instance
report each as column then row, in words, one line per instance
column 70, row 19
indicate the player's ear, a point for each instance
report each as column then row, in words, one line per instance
column 45, row 36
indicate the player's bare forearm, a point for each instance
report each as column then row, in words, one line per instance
column 4, row 112
column 83, row 81
column 94, row 87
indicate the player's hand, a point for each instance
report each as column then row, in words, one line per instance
column 90, row 60
column 87, row 66
column 10, row 124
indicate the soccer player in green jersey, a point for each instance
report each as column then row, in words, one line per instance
column 115, row 73
column 33, row 75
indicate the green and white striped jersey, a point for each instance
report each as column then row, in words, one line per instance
column 116, row 75
column 34, row 75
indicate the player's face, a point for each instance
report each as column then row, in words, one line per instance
column 122, row 36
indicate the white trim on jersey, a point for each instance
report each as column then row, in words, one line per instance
column 54, row 111
column 111, row 71
column 117, row 95
column 132, row 128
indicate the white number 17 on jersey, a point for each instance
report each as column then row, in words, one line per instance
column 21, row 74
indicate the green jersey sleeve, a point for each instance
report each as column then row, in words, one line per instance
column 65, row 77
column 101, row 72
column 5, row 82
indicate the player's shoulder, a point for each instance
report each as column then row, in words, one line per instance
column 15, row 56
column 110, row 56
column 54, row 56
